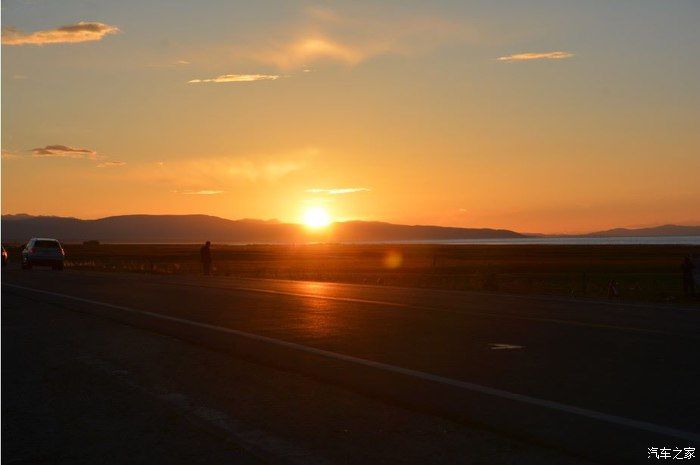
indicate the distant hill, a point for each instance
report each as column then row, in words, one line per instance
column 197, row 228
column 660, row 231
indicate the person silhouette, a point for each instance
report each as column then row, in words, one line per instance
column 205, row 257
column 688, row 280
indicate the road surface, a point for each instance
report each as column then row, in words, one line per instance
column 585, row 378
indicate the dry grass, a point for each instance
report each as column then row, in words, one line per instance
column 649, row 273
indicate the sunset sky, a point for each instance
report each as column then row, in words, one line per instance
column 538, row 116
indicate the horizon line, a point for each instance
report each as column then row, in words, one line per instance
column 276, row 220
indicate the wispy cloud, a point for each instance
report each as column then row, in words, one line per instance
column 314, row 48
column 63, row 151
column 338, row 191
column 169, row 64
column 324, row 35
column 323, row 14
column 200, row 192
column 9, row 154
column 269, row 171
column 238, row 78
column 111, row 164
column 219, row 173
column 84, row 31
column 77, row 153
column 558, row 55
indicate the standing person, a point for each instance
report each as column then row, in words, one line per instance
column 205, row 256
column 688, row 279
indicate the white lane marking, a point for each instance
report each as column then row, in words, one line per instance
column 495, row 346
column 548, row 404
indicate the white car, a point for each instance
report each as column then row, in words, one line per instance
column 41, row 251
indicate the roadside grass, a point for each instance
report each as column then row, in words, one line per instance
column 642, row 272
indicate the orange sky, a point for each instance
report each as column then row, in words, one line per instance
column 537, row 119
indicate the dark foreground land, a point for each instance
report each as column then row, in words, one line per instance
column 81, row 389
column 643, row 272
column 342, row 373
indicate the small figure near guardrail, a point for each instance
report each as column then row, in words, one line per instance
column 205, row 256
column 688, row 279
column 613, row 291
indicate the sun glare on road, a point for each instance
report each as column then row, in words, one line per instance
column 316, row 217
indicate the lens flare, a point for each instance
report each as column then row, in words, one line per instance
column 393, row 259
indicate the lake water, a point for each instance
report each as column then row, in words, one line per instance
column 672, row 240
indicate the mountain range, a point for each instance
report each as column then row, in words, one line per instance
column 197, row 228
column 664, row 230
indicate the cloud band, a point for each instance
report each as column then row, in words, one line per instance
column 528, row 56
column 84, row 31
column 63, row 151
column 237, row 78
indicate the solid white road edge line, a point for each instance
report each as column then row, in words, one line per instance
column 614, row 419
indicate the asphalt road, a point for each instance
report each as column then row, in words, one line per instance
column 548, row 370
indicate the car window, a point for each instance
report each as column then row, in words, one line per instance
column 47, row 245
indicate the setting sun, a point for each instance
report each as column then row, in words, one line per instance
column 316, row 217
